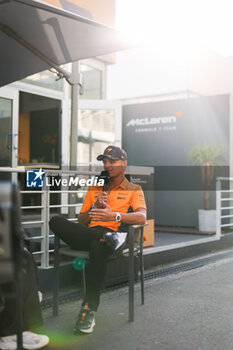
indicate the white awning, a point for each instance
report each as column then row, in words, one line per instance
column 57, row 36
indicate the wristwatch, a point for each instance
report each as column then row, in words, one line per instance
column 118, row 217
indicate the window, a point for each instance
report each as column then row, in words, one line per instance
column 96, row 132
column 83, row 152
column 45, row 79
column 92, row 82
column 98, row 120
column 5, row 131
column 98, row 148
column 39, row 130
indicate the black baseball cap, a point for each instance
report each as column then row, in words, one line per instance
column 113, row 152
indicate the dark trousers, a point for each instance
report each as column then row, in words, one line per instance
column 81, row 237
column 32, row 319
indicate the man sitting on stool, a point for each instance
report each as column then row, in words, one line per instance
column 98, row 222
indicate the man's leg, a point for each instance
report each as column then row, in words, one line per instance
column 96, row 270
column 81, row 237
column 76, row 235
column 31, row 308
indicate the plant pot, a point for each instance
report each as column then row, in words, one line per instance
column 207, row 220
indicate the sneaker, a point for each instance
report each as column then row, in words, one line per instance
column 86, row 320
column 8, row 343
column 115, row 239
column 40, row 295
column 34, row 341
column 30, row 341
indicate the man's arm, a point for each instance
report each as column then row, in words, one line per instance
column 138, row 217
column 84, row 218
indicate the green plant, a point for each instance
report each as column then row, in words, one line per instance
column 207, row 157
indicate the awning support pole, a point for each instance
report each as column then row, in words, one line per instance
column 74, row 131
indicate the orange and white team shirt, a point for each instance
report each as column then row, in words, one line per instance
column 120, row 199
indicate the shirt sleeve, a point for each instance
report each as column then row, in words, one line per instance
column 87, row 202
column 138, row 199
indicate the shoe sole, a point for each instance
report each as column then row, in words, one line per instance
column 8, row 346
column 12, row 345
column 88, row 330
column 120, row 244
column 44, row 340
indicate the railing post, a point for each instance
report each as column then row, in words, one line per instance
column 218, row 208
column 131, row 274
column 142, row 263
column 43, row 229
column 47, row 225
column 45, row 200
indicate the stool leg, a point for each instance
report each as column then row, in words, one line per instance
column 131, row 274
column 56, row 275
column 142, row 277
column 142, row 267
column 84, row 281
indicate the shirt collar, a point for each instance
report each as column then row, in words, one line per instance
column 124, row 184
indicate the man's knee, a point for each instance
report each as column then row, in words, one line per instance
column 55, row 222
column 98, row 249
column 28, row 260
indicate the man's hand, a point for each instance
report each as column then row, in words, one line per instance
column 102, row 214
column 101, row 202
column 101, row 199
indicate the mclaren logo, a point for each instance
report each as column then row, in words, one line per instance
column 152, row 121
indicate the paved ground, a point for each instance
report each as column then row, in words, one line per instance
column 189, row 310
column 162, row 238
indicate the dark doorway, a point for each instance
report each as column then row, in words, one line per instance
column 39, row 130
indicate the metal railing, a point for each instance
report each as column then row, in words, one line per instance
column 62, row 204
column 40, row 221
column 224, row 205
column 46, row 238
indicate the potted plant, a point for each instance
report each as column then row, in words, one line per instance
column 207, row 157
column 52, row 141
